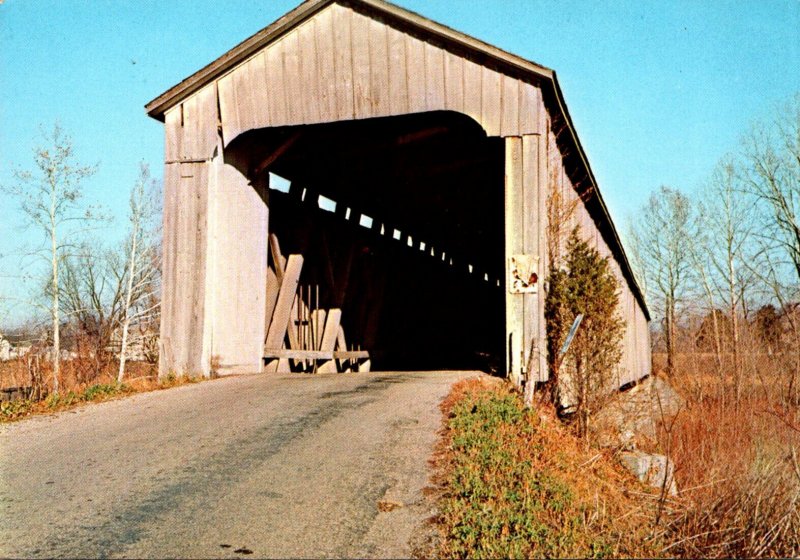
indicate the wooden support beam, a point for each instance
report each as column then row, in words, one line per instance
column 316, row 354
column 275, row 154
column 277, row 257
column 329, row 336
column 341, row 344
column 283, row 308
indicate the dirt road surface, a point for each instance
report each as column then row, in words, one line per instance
column 250, row 466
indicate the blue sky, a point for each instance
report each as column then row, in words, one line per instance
column 658, row 90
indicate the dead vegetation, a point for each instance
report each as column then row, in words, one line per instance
column 516, row 483
column 736, row 463
column 79, row 381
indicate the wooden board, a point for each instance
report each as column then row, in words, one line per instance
column 283, row 308
column 515, row 343
column 316, row 354
column 332, row 326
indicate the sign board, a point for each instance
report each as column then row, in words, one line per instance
column 523, row 274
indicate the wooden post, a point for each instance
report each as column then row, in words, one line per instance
column 514, row 238
column 525, row 229
column 534, row 188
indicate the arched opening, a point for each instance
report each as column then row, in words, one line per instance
column 400, row 223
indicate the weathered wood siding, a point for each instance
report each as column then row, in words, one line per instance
column 184, row 262
column 236, row 269
column 635, row 362
column 214, row 252
column 342, row 65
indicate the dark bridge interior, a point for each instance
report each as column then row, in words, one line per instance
column 400, row 223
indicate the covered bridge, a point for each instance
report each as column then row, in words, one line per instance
column 356, row 179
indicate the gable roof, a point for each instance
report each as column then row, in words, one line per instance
column 450, row 39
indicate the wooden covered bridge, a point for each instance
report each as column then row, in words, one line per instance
column 356, row 181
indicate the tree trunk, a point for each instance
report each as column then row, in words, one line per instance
column 128, row 296
column 670, row 336
column 55, row 312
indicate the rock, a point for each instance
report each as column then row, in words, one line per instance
column 630, row 417
column 652, row 469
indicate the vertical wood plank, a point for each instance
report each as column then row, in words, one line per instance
column 310, row 91
column 273, row 77
column 260, row 92
column 244, row 98
column 292, row 83
column 454, row 82
column 544, row 263
column 173, row 134
column 207, row 118
column 325, row 50
column 434, row 77
column 531, row 217
column 513, row 246
column 166, row 364
column 491, row 101
column 509, row 122
column 530, row 109
column 227, row 105
column 190, row 127
column 192, row 269
column 398, row 79
column 379, row 68
column 415, row 70
column 361, row 69
column 473, row 88
column 343, row 49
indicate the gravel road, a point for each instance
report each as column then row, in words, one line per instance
column 239, row 467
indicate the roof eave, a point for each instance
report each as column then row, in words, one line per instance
column 232, row 58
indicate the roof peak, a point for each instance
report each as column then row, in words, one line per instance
column 405, row 19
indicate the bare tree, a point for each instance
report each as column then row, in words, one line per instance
column 772, row 173
column 726, row 217
column 142, row 268
column 50, row 196
column 92, row 298
column 700, row 255
column 662, row 237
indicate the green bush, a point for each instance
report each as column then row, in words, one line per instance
column 584, row 285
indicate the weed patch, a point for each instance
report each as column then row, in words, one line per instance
column 517, row 484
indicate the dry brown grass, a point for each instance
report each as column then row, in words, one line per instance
column 81, row 380
column 736, row 463
column 75, row 375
